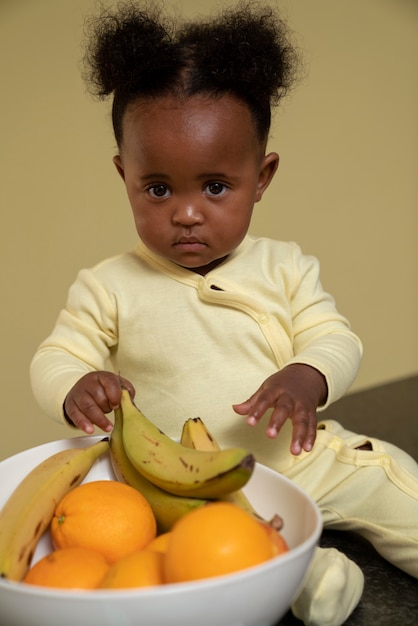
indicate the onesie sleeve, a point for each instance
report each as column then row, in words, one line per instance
column 81, row 341
column 322, row 337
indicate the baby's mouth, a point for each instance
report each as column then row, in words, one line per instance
column 192, row 244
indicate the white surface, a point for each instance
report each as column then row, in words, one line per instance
column 259, row 596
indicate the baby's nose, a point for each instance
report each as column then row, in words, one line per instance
column 189, row 212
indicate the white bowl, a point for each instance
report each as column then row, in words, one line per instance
column 258, row 596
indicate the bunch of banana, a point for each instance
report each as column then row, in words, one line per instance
column 195, row 434
column 176, row 468
column 30, row 508
column 167, row 507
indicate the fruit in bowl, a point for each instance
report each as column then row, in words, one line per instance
column 254, row 595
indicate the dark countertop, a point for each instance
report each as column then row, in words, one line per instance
column 388, row 412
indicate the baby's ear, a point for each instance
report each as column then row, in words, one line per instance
column 118, row 164
column 268, row 168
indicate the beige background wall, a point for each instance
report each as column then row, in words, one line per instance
column 346, row 189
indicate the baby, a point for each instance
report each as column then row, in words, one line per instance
column 202, row 319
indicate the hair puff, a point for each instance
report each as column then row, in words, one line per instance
column 133, row 52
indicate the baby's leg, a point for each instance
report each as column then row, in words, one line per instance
column 370, row 491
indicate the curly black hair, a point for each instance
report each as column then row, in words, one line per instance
column 132, row 52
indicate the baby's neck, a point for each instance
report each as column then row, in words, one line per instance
column 205, row 269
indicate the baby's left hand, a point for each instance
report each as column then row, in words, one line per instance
column 295, row 392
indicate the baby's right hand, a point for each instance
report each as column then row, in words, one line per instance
column 94, row 395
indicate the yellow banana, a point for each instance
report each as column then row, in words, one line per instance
column 195, row 434
column 30, row 508
column 177, row 469
column 167, row 507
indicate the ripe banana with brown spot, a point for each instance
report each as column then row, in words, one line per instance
column 29, row 510
column 177, row 469
column 195, row 434
column 167, row 508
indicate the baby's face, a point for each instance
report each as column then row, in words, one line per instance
column 193, row 170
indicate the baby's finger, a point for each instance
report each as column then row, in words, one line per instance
column 83, row 424
column 304, row 431
column 112, row 386
column 311, row 434
column 86, row 414
column 257, row 409
column 77, row 419
column 281, row 413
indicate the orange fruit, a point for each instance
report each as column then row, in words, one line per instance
column 70, row 568
column 104, row 515
column 160, row 543
column 139, row 569
column 278, row 541
column 216, row 539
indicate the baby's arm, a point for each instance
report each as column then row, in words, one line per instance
column 326, row 358
column 69, row 374
column 294, row 393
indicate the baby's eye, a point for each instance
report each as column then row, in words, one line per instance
column 215, row 188
column 158, row 191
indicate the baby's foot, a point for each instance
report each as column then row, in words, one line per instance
column 331, row 590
